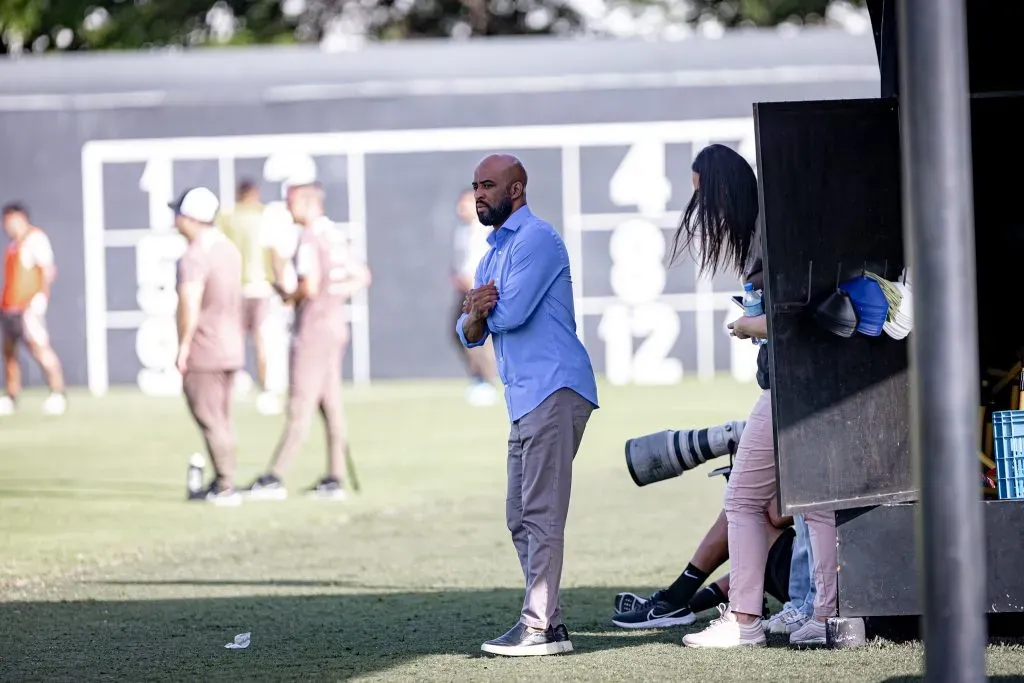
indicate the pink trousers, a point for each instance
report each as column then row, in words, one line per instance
column 750, row 491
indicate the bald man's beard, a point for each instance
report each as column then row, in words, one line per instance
column 496, row 215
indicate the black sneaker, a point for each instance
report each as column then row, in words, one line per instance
column 629, row 602
column 222, row 497
column 522, row 642
column 267, row 487
column 328, row 488
column 656, row 613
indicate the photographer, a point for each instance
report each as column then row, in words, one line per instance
column 679, row 604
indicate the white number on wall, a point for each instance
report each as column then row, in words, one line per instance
column 640, row 179
column 156, row 256
column 657, row 325
column 637, row 250
column 157, row 182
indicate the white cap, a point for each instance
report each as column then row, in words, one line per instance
column 198, row 203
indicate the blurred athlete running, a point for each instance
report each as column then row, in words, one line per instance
column 328, row 275
column 29, row 272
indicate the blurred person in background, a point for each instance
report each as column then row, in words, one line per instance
column 211, row 333
column 29, row 272
column 328, row 274
column 470, row 246
column 246, row 227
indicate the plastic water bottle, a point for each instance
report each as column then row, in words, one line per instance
column 196, row 463
column 753, row 306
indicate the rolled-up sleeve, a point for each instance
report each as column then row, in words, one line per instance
column 462, row 318
column 462, row 335
column 534, row 265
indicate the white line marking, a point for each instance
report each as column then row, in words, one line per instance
column 226, row 183
column 360, row 301
column 425, row 140
column 572, row 207
column 683, row 303
column 99, row 100
column 424, row 87
column 95, row 274
column 609, row 221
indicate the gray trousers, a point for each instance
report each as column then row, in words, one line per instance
column 541, row 448
column 208, row 394
column 314, row 383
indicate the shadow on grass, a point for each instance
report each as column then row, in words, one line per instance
column 918, row 679
column 263, row 583
column 293, row 637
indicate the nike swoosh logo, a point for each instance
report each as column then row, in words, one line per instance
column 687, row 573
column 652, row 615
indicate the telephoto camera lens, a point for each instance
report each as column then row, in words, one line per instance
column 665, row 455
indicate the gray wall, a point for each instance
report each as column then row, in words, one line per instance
column 409, row 197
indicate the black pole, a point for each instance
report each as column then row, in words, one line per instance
column 945, row 393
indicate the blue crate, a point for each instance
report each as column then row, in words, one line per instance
column 1008, row 433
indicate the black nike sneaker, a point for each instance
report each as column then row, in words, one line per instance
column 627, row 602
column 656, row 613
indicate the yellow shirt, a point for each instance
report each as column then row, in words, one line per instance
column 245, row 226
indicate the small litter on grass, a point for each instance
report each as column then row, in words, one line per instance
column 241, row 642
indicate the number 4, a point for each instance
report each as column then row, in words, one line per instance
column 640, row 179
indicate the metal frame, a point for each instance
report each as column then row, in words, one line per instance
column 945, row 385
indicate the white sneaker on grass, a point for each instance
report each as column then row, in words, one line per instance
column 787, row 621
column 727, row 632
column 811, row 633
column 6, row 406
column 55, row 404
column 267, row 403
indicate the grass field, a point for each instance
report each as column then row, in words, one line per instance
column 105, row 573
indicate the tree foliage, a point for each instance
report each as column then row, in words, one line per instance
column 733, row 13
column 41, row 25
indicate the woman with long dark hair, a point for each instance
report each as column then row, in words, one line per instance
column 720, row 229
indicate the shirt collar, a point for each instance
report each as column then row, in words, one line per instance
column 514, row 222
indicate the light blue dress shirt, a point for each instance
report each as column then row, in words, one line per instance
column 534, row 323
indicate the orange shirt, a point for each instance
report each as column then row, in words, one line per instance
column 24, row 264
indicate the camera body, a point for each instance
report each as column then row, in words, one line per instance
column 666, row 455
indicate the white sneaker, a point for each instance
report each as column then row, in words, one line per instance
column 727, row 632
column 55, row 404
column 482, row 394
column 6, row 406
column 267, row 403
column 225, row 499
column 811, row 633
column 787, row 621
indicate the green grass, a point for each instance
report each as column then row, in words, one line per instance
column 105, row 573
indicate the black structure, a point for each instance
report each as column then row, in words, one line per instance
column 939, row 233
column 830, row 178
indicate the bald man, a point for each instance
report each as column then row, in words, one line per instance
column 522, row 298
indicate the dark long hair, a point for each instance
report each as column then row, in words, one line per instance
column 718, row 224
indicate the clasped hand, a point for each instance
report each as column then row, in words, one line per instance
column 481, row 301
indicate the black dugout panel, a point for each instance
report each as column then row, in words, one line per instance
column 829, row 185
